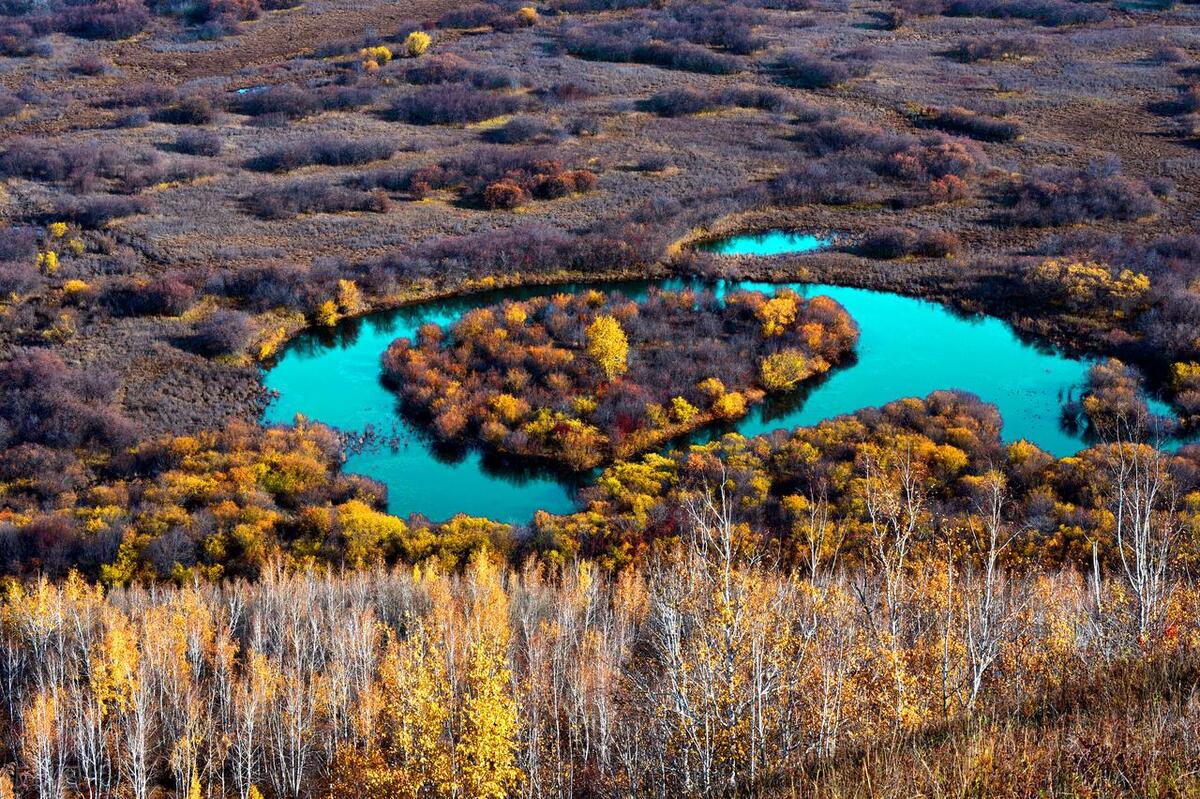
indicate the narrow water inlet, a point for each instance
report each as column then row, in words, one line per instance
column 764, row 243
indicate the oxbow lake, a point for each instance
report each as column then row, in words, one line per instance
column 908, row 348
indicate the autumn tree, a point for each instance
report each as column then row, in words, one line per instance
column 608, row 346
column 487, row 741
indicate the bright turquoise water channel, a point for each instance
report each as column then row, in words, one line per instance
column 907, row 348
column 770, row 242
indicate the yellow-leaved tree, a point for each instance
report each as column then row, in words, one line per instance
column 782, row 371
column 608, row 346
column 778, row 313
column 416, row 714
column 489, row 728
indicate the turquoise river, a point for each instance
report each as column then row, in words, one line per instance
column 908, row 347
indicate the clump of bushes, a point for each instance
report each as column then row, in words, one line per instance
column 265, row 287
column 86, row 164
column 1065, row 196
column 451, row 104
column 416, row 43
column 78, row 164
column 729, row 27
column 223, row 332
column 450, row 68
column 192, row 109
column 105, row 19
column 932, row 167
column 1048, row 13
column 44, row 403
column 472, row 16
column 1114, row 403
column 828, row 135
column 524, row 130
column 166, row 296
column 17, row 243
column 588, row 378
column 1185, row 101
column 495, row 177
column 1185, row 385
column 896, row 242
column 680, row 102
column 96, row 211
column 90, row 65
column 10, row 104
column 970, row 123
column 806, row 70
column 839, row 180
column 198, row 142
column 1088, row 287
column 483, row 15
column 516, row 190
column 18, row 253
column 292, row 198
column 633, row 41
column 24, row 38
column 144, row 94
column 562, row 92
column 997, row 48
column 326, row 150
column 290, row 101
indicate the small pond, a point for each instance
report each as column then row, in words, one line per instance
column 907, row 348
column 770, row 242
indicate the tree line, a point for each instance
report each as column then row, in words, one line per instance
column 708, row 669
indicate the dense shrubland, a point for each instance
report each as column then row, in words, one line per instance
column 1134, row 293
column 587, row 378
column 46, row 404
column 88, row 166
column 707, row 668
column 222, row 504
column 207, row 506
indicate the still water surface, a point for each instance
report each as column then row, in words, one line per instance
column 907, row 348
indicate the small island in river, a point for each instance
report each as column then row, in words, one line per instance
column 583, row 379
